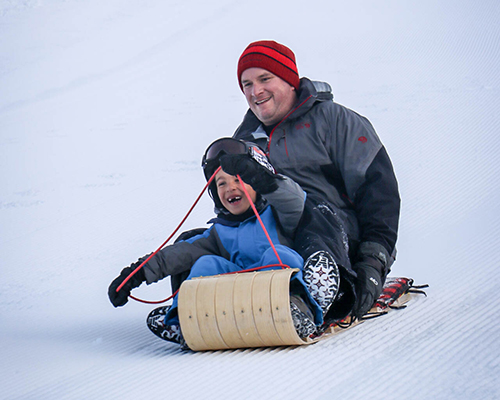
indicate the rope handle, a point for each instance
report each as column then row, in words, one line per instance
column 280, row 263
column 173, row 233
column 260, row 221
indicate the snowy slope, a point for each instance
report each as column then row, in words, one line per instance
column 105, row 110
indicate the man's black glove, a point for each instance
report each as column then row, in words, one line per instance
column 120, row 298
column 372, row 266
column 368, row 288
column 261, row 179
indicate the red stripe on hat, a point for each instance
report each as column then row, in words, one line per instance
column 276, row 55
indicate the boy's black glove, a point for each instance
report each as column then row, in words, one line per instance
column 120, row 298
column 261, row 179
column 369, row 285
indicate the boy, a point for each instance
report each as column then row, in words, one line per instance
column 235, row 241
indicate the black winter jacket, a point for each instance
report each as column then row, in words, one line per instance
column 335, row 155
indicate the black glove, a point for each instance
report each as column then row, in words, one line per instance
column 120, row 298
column 257, row 176
column 369, row 285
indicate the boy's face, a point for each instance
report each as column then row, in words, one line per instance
column 231, row 193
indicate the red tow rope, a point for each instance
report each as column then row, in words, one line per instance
column 261, row 223
column 280, row 263
column 163, row 245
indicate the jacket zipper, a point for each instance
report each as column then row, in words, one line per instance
column 284, row 118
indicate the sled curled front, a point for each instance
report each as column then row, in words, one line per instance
column 241, row 310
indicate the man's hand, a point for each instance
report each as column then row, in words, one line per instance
column 368, row 288
column 250, row 171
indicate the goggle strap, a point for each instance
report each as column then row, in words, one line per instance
column 259, row 156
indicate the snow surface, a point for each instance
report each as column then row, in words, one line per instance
column 105, row 110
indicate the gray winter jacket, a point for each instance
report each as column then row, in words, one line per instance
column 335, row 155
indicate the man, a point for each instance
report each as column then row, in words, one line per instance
column 352, row 208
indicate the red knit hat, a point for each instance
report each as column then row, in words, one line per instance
column 273, row 57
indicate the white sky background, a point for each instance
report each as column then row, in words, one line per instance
column 105, row 111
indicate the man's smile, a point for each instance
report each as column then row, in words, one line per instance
column 259, row 102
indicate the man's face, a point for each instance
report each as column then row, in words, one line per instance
column 231, row 193
column 268, row 96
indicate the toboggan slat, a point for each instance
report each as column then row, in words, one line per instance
column 250, row 309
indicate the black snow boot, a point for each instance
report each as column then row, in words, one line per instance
column 322, row 278
column 302, row 317
column 171, row 333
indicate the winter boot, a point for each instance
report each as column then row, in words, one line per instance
column 302, row 317
column 322, row 278
column 171, row 333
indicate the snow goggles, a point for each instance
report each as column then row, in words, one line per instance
column 225, row 146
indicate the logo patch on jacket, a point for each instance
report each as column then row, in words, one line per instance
column 302, row 126
column 363, row 139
